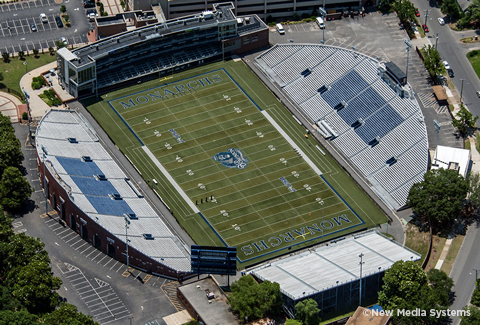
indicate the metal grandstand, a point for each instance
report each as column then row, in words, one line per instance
column 376, row 123
column 330, row 274
column 98, row 187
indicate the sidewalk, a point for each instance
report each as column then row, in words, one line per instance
column 10, row 106
column 38, row 107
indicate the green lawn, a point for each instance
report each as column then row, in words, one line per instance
column 250, row 207
column 14, row 70
column 474, row 58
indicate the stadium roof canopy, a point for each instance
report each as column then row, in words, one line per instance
column 334, row 264
column 93, row 179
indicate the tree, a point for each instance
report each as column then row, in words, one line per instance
column 21, row 55
column 405, row 10
column 293, row 322
column 450, row 8
column 14, row 189
column 432, row 60
column 59, row 45
column 35, row 52
column 253, row 300
column 23, row 317
column 386, row 5
column 67, row 314
column 51, row 50
column 6, row 57
column 472, row 317
column 464, row 121
column 307, row 312
column 407, row 286
column 63, row 8
column 473, row 180
column 439, row 197
column 10, row 150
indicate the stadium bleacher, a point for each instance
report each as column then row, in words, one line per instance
column 371, row 121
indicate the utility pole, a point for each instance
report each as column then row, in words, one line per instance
column 409, row 46
column 127, row 222
column 426, row 15
column 461, row 91
column 436, row 43
column 361, row 264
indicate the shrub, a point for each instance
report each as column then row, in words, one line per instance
column 24, row 116
column 36, row 85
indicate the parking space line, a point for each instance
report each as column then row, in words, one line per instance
column 69, row 234
column 55, row 229
column 104, row 265
column 85, row 243
column 121, row 266
column 127, row 272
column 102, row 259
column 91, row 253
column 79, row 240
column 97, row 255
column 146, row 278
column 63, row 231
column 116, row 262
column 86, row 249
column 71, row 239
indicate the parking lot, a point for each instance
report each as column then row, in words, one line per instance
column 380, row 37
column 102, row 301
column 17, row 18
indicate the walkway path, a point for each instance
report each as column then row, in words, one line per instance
column 9, row 106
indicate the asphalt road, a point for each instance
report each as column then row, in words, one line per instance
column 454, row 52
column 16, row 18
column 463, row 271
column 97, row 284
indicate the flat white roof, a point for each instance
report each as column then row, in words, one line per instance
column 92, row 196
column 319, row 269
column 444, row 156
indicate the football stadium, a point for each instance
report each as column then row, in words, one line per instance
column 217, row 145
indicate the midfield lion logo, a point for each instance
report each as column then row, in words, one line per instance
column 233, row 158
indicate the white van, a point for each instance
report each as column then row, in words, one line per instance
column 280, row 29
column 320, row 22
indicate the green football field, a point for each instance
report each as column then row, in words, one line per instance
column 232, row 164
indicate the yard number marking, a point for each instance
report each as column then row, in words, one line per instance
column 201, row 186
column 260, row 135
column 284, row 161
column 271, row 147
column 157, row 133
column 147, row 121
column 294, row 173
column 236, row 227
column 168, row 146
column 189, row 172
column 224, row 213
column 226, row 97
column 248, row 122
column 307, row 187
column 178, row 159
column 238, row 110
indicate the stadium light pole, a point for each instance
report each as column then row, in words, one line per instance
column 336, row 297
column 409, row 46
column 461, row 91
column 45, row 180
column 361, row 264
column 127, row 222
column 437, row 129
column 323, row 13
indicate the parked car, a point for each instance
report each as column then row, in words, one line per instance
column 425, row 28
column 441, row 21
column 478, row 94
column 446, row 65
column 417, row 13
column 58, row 20
column 33, row 27
column 450, row 73
column 88, row 4
column 43, row 18
column 92, row 11
column 346, row 13
column 64, row 40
